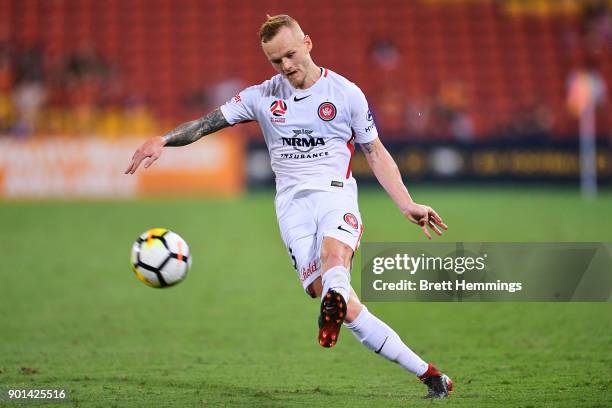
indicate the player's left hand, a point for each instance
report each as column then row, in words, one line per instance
column 425, row 216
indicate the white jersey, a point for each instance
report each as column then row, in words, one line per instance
column 310, row 133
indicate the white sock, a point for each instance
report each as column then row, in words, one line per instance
column 338, row 279
column 380, row 338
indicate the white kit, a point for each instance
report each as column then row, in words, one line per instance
column 311, row 136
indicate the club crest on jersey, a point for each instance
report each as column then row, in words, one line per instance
column 327, row 111
column 351, row 220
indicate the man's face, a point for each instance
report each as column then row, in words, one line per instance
column 289, row 55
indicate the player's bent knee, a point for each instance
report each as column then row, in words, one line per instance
column 335, row 253
column 334, row 259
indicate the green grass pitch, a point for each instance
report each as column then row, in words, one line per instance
column 73, row 315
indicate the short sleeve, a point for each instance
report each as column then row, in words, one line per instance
column 241, row 107
column 362, row 121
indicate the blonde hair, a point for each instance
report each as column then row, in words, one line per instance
column 273, row 24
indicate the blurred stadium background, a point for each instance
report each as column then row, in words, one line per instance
column 480, row 101
column 461, row 90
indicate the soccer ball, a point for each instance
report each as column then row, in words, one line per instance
column 160, row 258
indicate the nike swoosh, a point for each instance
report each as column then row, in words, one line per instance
column 344, row 229
column 296, row 99
column 383, row 345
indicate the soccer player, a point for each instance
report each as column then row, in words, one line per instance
column 311, row 118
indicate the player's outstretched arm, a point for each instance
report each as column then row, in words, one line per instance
column 388, row 175
column 183, row 135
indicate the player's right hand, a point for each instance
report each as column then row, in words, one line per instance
column 150, row 150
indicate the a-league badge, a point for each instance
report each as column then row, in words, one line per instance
column 278, row 108
column 327, row 111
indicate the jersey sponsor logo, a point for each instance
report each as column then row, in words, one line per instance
column 351, row 220
column 370, row 118
column 278, row 108
column 300, row 156
column 327, row 111
column 302, row 140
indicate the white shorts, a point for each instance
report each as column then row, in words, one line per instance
column 309, row 216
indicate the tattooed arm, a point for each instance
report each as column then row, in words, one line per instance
column 191, row 131
column 389, row 177
column 183, row 135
